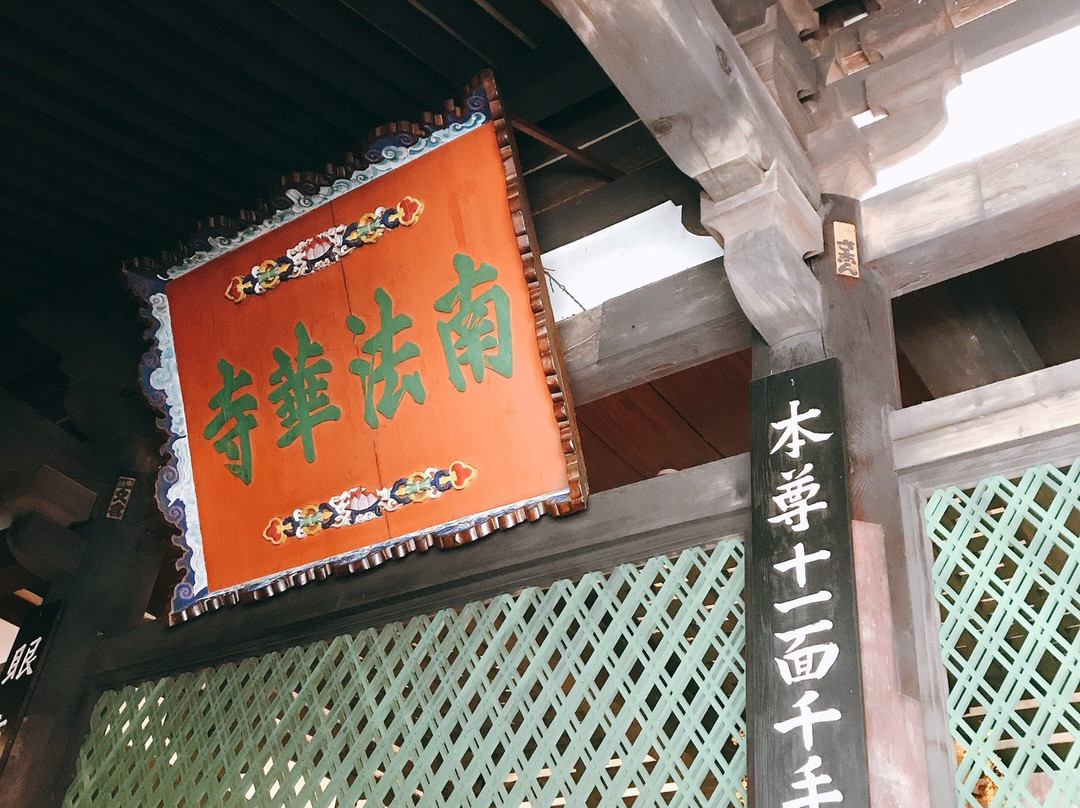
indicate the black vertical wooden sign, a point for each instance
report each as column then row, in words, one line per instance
column 18, row 674
column 807, row 742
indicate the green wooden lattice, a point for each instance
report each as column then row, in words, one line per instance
column 617, row 689
column 1007, row 578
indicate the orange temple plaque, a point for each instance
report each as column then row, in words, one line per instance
column 367, row 373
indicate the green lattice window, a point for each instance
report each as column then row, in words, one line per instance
column 1007, row 576
column 617, row 689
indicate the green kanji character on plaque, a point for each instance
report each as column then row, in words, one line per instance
column 384, row 359
column 235, row 442
column 300, row 392
column 467, row 337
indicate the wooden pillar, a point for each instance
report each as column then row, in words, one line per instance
column 107, row 593
column 909, row 748
column 681, row 68
column 104, row 569
column 904, row 704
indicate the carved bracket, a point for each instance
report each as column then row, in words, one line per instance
column 767, row 233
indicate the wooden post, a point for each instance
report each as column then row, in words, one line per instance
column 108, row 592
column 858, row 330
column 105, row 589
column 804, row 707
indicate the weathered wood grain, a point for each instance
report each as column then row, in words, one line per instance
column 976, row 214
column 652, row 332
column 859, row 331
column 681, row 68
column 963, row 335
column 767, row 233
column 1042, row 403
column 656, row 516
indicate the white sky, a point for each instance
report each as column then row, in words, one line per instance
column 1025, row 93
column 623, row 257
column 995, row 106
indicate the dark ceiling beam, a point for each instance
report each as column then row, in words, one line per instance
column 48, row 73
column 80, row 237
column 553, row 85
column 577, row 155
column 96, row 184
column 961, row 335
column 28, row 138
column 536, row 20
column 611, row 203
column 146, row 84
column 468, row 23
column 303, row 70
column 630, row 149
column 170, row 123
column 196, row 70
column 135, row 226
column 595, row 119
column 36, row 108
column 402, row 28
column 30, row 440
column 59, row 268
column 381, row 71
column 74, row 285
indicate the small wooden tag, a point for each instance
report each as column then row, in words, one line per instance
column 845, row 249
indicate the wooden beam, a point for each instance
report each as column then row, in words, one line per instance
column 963, row 335
column 52, row 495
column 548, row 139
column 977, row 39
column 910, row 93
column 46, row 548
column 654, row 331
column 28, row 440
column 109, row 593
column 691, row 83
column 681, row 68
column 900, row 61
column 611, row 203
column 1010, row 27
column 976, row 214
column 968, row 424
column 653, row 517
column 15, row 576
